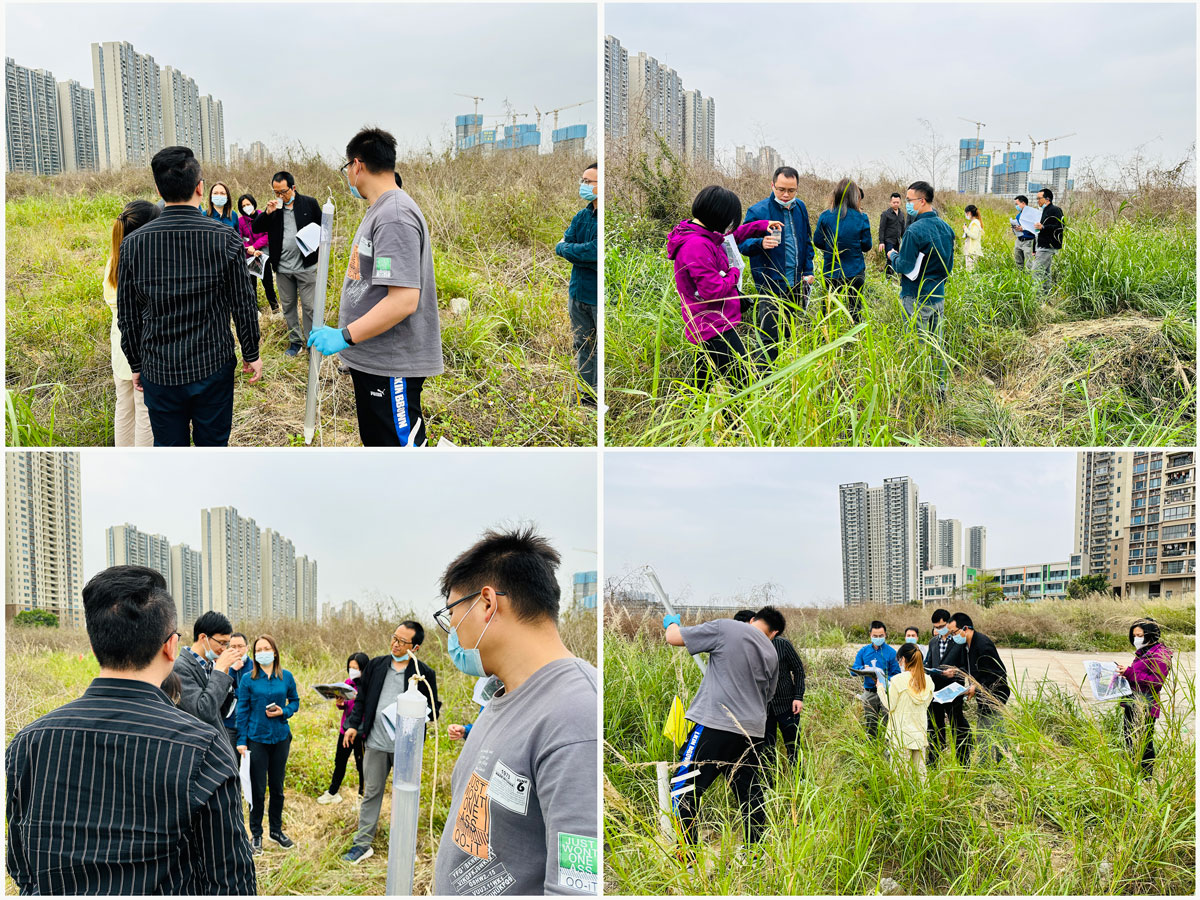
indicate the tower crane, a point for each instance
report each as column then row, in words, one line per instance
column 472, row 97
column 979, row 126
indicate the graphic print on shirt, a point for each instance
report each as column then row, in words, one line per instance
column 353, row 273
column 472, row 826
column 578, row 863
column 509, row 789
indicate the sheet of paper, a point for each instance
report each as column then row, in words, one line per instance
column 734, row 256
column 257, row 265
column 244, row 775
column 912, row 276
column 948, row 693
column 308, row 238
column 1104, row 681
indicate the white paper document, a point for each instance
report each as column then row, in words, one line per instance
column 912, row 276
column 1106, row 684
column 244, row 773
column 308, row 238
column 257, row 265
column 948, row 693
column 1029, row 217
column 735, row 258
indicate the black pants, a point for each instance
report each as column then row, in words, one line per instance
column 854, row 288
column 268, row 283
column 200, row 412
column 233, row 742
column 268, row 762
column 774, row 317
column 724, row 355
column 1139, row 731
column 888, row 247
column 953, row 715
column 788, row 725
column 388, row 409
column 708, row 753
column 340, row 758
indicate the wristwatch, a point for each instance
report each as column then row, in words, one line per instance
column 346, row 336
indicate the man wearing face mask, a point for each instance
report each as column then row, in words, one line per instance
column 373, row 718
column 524, row 805
column 988, row 677
column 1023, row 226
column 1049, row 230
column 295, row 272
column 947, row 655
column 389, row 333
column 578, row 247
column 204, row 669
column 876, row 655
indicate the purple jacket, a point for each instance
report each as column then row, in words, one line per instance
column 708, row 287
column 349, row 704
column 251, row 240
column 1149, row 670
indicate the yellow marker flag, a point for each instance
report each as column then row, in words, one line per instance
column 676, row 727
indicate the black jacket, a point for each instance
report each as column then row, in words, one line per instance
column 790, row 685
column 985, row 666
column 1051, row 235
column 370, row 686
column 955, row 655
column 891, row 227
column 307, row 210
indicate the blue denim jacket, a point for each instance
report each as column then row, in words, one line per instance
column 254, row 696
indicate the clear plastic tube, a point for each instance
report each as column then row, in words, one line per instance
column 411, row 710
column 318, row 319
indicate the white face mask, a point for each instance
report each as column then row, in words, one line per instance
column 248, row 210
column 353, row 674
column 1138, row 643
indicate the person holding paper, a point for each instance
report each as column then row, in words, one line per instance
column 879, row 656
column 256, row 245
column 354, row 669
column 972, row 237
column 988, row 677
column 924, row 261
column 295, row 269
column 1049, row 237
column 945, row 653
column 1146, row 674
column 906, row 698
column 1023, row 227
column 843, row 235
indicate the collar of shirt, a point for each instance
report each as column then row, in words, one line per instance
column 183, row 210
column 124, row 687
column 204, row 663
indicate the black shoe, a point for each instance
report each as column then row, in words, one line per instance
column 293, row 349
column 282, row 840
column 256, row 846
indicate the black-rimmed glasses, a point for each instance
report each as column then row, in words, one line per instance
column 442, row 616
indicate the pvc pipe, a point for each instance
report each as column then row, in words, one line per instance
column 318, row 319
column 664, row 799
column 411, row 710
column 652, row 577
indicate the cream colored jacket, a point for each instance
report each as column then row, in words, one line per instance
column 120, row 366
column 973, row 238
column 907, row 723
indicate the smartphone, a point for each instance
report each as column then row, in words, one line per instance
column 272, row 706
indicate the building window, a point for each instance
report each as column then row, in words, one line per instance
column 1135, row 570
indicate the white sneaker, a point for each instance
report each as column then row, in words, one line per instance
column 327, row 798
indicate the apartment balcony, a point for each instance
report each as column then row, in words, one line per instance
column 1178, row 460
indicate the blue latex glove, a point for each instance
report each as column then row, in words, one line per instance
column 327, row 340
column 670, row 620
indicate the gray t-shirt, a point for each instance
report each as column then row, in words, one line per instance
column 290, row 258
column 742, row 670
column 393, row 687
column 524, row 807
column 391, row 249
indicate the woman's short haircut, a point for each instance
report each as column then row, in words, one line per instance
column 129, row 616
column 519, row 563
column 242, row 199
column 717, row 208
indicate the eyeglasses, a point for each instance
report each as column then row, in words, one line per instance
column 221, row 644
column 282, row 193
column 402, row 642
column 592, row 181
column 442, row 616
column 780, row 190
column 174, row 634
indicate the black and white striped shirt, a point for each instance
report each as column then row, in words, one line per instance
column 179, row 280
column 121, row 793
column 790, row 685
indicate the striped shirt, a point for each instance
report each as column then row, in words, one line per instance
column 791, row 678
column 180, row 279
column 121, row 793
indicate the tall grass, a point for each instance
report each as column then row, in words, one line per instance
column 1063, row 812
column 509, row 376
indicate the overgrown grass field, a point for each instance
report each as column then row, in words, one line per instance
column 46, row 668
column 1063, row 812
column 1106, row 358
column 509, row 376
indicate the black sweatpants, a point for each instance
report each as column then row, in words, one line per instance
column 854, row 287
column 723, row 354
column 953, row 716
column 268, row 762
column 340, row 757
column 710, row 752
column 1138, row 726
column 388, row 409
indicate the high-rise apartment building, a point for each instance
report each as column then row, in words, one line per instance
column 1155, row 553
column 949, row 543
column 926, row 536
column 1102, row 485
column 212, row 131
column 880, row 542
column 129, row 546
column 699, row 127
column 77, row 126
column 180, row 111
column 232, row 553
column 279, row 573
column 656, row 97
column 44, row 535
column 306, row 589
column 616, row 89
column 33, row 143
column 976, row 546
column 129, row 112
column 187, row 584
column 257, row 154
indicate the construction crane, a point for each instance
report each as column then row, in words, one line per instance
column 555, row 112
column 1046, row 143
column 1008, row 142
column 979, row 126
column 472, row 97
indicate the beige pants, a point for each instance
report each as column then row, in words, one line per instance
column 132, row 419
column 915, row 758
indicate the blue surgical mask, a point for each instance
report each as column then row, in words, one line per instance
column 941, row 632
column 353, row 190
column 910, row 640
column 786, row 204
column 399, row 658
column 878, row 641
column 960, row 638
column 219, row 201
column 264, row 657
column 209, row 654
column 908, row 208
column 467, row 661
column 587, row 192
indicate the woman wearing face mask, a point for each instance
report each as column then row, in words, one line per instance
column 972, row 236
column 266, row 700
column 843, row 234
column 355, row 666
column 1146, row 675
column 906, row 697
column 707, row 277
column 131, row 420
column 256, row 244
column 220, row 205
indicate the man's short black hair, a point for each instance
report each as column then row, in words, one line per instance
column 773, row 617
column 743, row 615
column 418, row 631
column 129, row 616
column 594, row 165
column 896, row 194
column 1047, row 193
column 520, row 563
column 962, row 620
column 376, row 148
column 176, row 173
column 237, row 634
column 284, row 176
column 1021, row 198
column 717, row 208
column 913, row 628
column 924, row 188
column 877, row 624
column 940, row 615
column 786, row 172
column 212, row 622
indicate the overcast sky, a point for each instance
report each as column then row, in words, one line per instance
column 317, row 72
column 714, row 523
column 373, row 522
column 843, row 85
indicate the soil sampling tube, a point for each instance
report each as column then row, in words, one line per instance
column 318, row 319
column 411, row 710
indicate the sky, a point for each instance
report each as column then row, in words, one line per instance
column 376, row 525
column 715, row 523
column 339, row 66
column 843, row 85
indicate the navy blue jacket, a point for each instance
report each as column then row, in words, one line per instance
column 578, row 247
column 929, row 235
column 254, row 696
column 843, row 240
column 767, row 266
